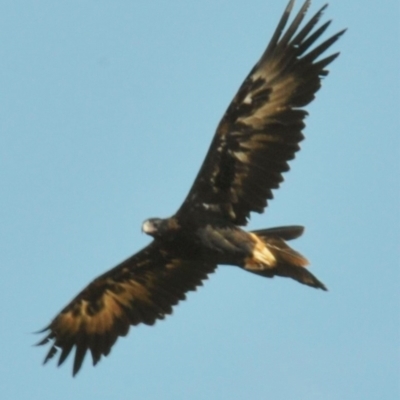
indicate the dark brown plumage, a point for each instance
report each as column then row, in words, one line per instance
column 259, row 133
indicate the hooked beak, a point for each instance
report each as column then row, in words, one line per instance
column 148, row 228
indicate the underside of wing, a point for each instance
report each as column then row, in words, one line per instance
column 141, row 289
column 262, row 127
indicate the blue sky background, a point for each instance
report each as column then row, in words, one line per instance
column 107, row 109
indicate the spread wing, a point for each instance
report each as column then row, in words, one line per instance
column 141, row 289
column 262, row 127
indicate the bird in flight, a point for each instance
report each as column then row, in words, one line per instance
column 257, row 136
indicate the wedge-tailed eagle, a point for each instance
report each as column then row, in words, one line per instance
column 257, row 136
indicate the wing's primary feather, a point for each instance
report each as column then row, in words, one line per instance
column 262, row 127
column 141, row 289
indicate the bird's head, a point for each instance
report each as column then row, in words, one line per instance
column 152, row 226
column 158, row 227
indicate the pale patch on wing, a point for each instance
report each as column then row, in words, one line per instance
column 142, row 289
column 212, row 207
column 262, row 127
column 99, row 316
column 280, row 90
column 241, row 156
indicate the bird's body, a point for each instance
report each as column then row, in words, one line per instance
column 204, row 238
column 213, row 240
column 257, row 136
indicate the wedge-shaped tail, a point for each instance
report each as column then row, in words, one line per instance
column 289, row 263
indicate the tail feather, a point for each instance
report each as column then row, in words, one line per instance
column 283, row 253
column 299, row 274
column 289, row 262
column 284, row 232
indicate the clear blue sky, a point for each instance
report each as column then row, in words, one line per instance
column 106, row 111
